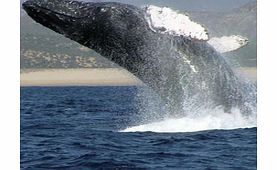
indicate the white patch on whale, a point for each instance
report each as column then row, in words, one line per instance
column 187, row 61
column 228, row 43
column 166, row 20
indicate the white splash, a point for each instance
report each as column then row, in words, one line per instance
column 208, row 120
column 228, row 43
column 166, row 20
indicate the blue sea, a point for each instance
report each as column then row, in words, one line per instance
column 85, row 128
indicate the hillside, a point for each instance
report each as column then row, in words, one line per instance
column 43, row 48
column 241, row 21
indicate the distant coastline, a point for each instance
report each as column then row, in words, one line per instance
column 248, row 73
column 95, row 77
column 77, row 77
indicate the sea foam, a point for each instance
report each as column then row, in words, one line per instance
column 206, row 120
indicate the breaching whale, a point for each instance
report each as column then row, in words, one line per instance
column 181, row 69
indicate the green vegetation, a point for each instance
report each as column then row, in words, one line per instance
column 39, row 51
column 42, row 48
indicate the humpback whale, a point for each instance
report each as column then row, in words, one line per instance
column 183, row 70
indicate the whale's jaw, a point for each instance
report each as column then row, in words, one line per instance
column 97, row 25
column 74, row 9
column 58, row 15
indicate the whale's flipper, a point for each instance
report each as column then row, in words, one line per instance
column 166, row 20
column 228, row 43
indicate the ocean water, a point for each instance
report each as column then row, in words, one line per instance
column 101, row 128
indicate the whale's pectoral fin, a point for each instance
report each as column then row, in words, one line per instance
column 174, row 23
column 164, row 20
column 228, row 43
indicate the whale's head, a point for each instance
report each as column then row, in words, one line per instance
column 97, row 25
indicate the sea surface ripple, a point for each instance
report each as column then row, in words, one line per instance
column 80, row 128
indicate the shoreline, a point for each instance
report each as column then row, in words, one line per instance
column 96, row 77
column 77, row 77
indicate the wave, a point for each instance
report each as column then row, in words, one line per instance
column 205, row 120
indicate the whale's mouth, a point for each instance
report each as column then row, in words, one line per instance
column 57, row 15
column 66, row 8
column 34, row 9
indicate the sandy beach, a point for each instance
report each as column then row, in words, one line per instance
column 77, row 77
column 248, row 73
column 94, row 77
